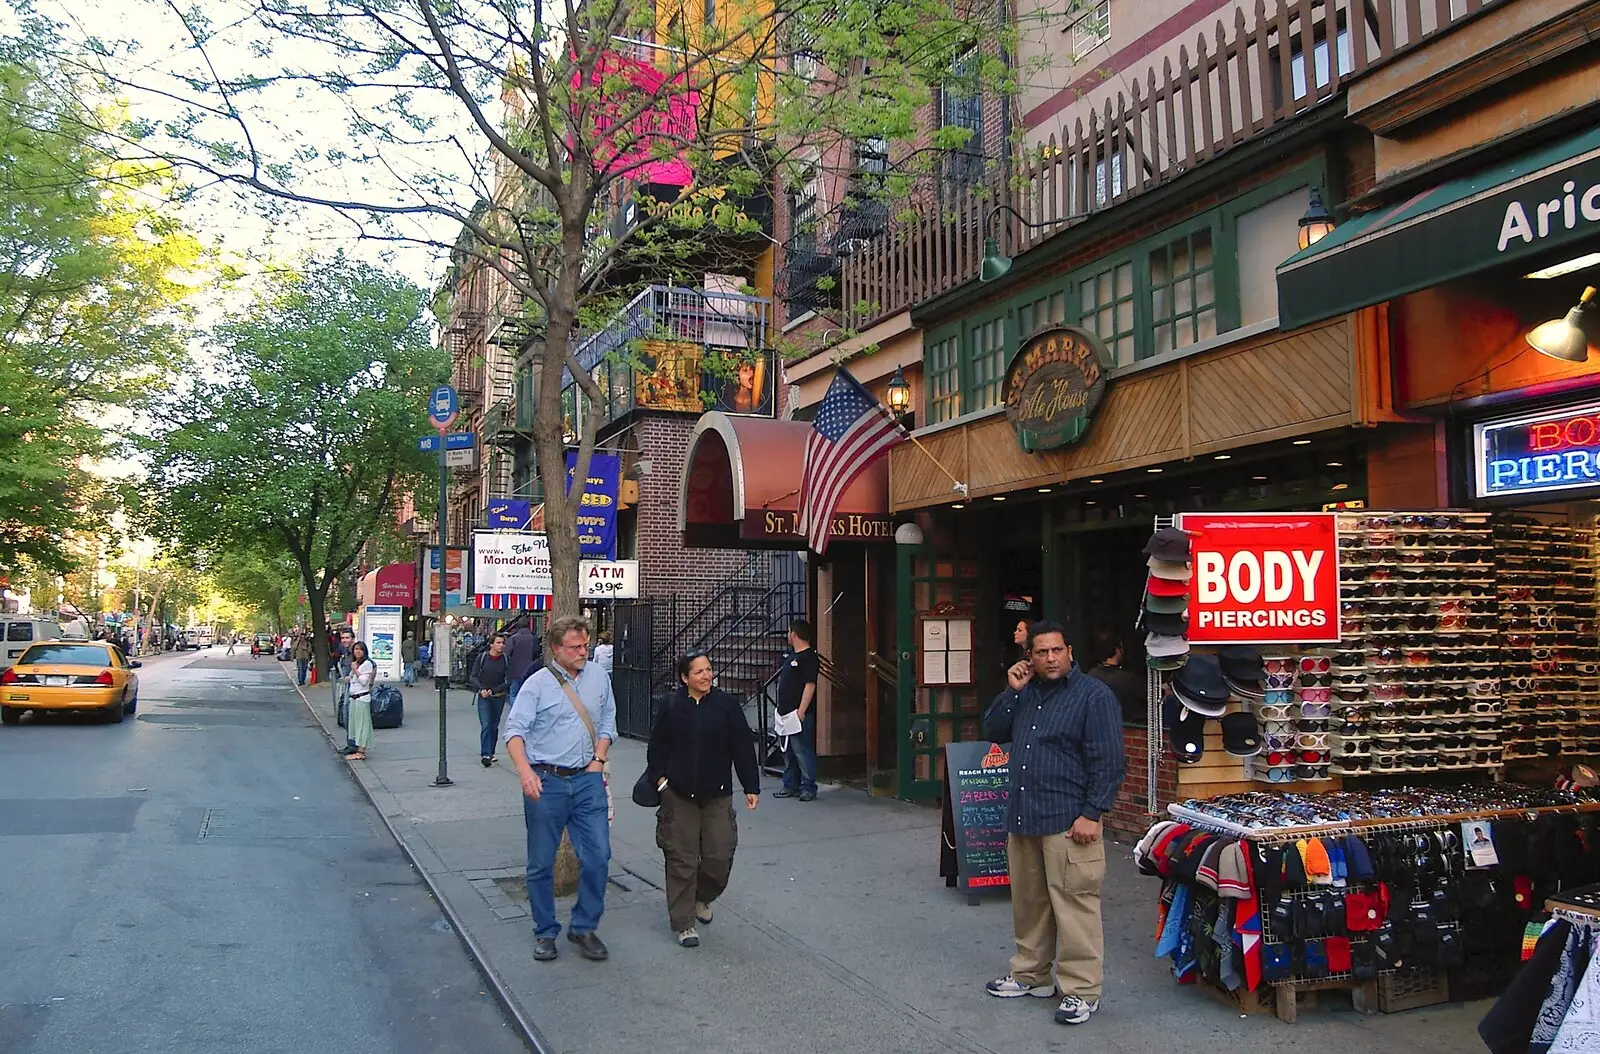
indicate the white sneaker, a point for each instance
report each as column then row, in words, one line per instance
column 1009, row 987
column 702, row 913
column 688, row 938
column 1075, row 1010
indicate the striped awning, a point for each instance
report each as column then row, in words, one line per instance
column 513, row 601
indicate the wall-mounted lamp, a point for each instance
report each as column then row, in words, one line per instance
column 1317, row 223
column 996, row 264
column 1564, row 338
column 899, row 393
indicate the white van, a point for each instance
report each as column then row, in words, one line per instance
column 19, row 631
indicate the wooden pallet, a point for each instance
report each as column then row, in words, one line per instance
column 1294, row 995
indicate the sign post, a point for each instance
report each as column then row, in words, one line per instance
column 443, row 406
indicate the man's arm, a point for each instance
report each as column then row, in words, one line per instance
column 1104, row 762
column 519, row 725
column 810, row 691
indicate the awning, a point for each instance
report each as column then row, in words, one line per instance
column 1521, row 210
column 741, row 488
column 389, row 584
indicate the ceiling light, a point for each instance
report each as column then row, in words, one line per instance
column 1141, row 495
column 1340, row 486
column 1577, row 263
column 999, row 497
column 1152, row 470
column 1222, row 457
column 1336, row 464
column 1097, row 481
column 1302, row 442
column 1564, row 338
column 958, row 505
column 1091, row 503
column 1259, row 479
column 1044, row 490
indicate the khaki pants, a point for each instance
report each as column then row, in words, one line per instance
column 698, row 840
column 1055, row 911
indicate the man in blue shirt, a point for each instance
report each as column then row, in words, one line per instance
column 1065, row 731
column 561, row 765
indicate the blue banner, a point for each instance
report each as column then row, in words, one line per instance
column 508, row 514
column 597, row 517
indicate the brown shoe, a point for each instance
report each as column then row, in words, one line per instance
column 590, row 945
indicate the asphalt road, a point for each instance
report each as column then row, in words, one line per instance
column 208, row 878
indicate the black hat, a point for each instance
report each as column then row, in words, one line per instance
column 1250, row 690
column 1240, row 736
column 1162, row 624
column 1169, row 544
column 1186, row 730
column 1199, row 685
column 1240, row 663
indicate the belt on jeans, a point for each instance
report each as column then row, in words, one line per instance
column 557, row 770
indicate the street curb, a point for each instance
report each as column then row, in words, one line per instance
column 526, row 1029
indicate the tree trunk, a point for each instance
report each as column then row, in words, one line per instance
column 155, row 606
column 560, row 524
column 317, row 598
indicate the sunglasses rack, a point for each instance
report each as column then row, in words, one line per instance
column 1294, row 714
column 1415, row 682
column 1549, row 659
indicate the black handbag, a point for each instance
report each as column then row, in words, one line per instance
column 645, row 792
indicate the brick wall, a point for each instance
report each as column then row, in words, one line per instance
column 1129, row 818
column 665, row 566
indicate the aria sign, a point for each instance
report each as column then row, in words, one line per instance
column 1052, row 387
column 1556, row 450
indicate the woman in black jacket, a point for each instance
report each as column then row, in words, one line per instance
column 698, row 737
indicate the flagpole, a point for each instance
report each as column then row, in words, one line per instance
column 960, row 486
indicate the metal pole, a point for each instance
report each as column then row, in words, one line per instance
column 441, row 671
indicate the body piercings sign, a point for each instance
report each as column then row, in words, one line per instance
column 1263, row 578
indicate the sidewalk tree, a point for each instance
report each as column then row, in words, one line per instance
column 305, row 434
column 262, row 577
column 94, row 273
column 523, row 126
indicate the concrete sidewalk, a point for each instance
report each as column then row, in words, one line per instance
column 836, row 933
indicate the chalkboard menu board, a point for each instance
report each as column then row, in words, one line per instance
column 977, row 787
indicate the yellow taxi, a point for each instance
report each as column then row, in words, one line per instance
column 85, row 676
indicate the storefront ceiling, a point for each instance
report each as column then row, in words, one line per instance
column 1518, row 211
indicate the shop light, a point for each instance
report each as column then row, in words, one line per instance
column 1152, row 470
column 1044, row 490
column 1222, row 457
column 1091, row 503
column 999, row 497
column 899, row 393
column 1097, row 481
column 1259, row 479
column 1336, row 464
column 1564, row 338
column 1317, row 223
column 1141, row 495
column 958, row 505
column 1302, row 442
column 1577, row 263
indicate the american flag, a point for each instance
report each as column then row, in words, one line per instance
column 851, row 431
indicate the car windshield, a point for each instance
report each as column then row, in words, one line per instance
column 70, row 654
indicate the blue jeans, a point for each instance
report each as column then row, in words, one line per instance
column 578, row 805
column 514, row 685
column 301, row 666
column 800, row 770
column 409, row 676
column 489, row 710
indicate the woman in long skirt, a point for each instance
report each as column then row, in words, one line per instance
column 363, row 676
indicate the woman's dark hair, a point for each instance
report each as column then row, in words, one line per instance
column 687, row 662
column 365, row 655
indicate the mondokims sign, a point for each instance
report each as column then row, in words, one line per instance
column 1053, row 385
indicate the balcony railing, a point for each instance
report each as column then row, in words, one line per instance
column 1247, row 77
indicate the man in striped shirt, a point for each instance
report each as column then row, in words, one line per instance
column 1065, row 731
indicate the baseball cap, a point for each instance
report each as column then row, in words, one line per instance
column 1169, row 569
column 1166, row 605
column 1166, row 587
column 1240, row 735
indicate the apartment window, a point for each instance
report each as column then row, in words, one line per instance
column 961, row 106
column 1319, row 62
column 988, row 365
column 1091, row 31
column 942, row 373
column 1183, row 292
column 1106, row 309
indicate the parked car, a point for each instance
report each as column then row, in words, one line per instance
column 19, row 631
column 70, row 676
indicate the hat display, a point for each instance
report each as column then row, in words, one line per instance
column 1199, row 685
column 1169, row 543
column 1166, row 663
column 1166, row 605
column 1240, row 736
column 1164, row 646
column 1241, row 663
column 1170, row 570
column 1164, row 625
column 1186, row 730
column 1166, row 587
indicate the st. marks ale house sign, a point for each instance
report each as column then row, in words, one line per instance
column 1053, row 385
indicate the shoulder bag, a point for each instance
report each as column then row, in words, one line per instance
column 594, row 740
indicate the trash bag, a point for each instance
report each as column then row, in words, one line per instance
column 388, row 707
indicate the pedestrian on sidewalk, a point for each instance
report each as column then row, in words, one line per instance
column 363, row 675
column 797, row 691
column 490, row 679
column 523, row 655
column 340, row 669
column 603, row 652
column 561, row 728
column 232, row 640
column 408, row 658
column 698, row 737
column 1065, row 731
column 302, row 656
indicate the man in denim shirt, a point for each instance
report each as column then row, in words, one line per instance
column 563, row 786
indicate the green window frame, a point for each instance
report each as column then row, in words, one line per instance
column 941, row 375
column 1183, row 291
column 1108, row 301
column 986, row 366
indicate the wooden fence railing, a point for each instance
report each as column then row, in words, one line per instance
column 1256, row 70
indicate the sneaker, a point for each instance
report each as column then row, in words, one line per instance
column 688, row 938
column 1075, row 1010
column 1009, row 987
column 487, row 761
column 702, row 913
column 808, row 795
column 785, row 793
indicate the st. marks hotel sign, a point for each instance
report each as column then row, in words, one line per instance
column 778, row 525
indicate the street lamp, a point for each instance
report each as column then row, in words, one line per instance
column 995, row 263
column 899, row 393
column 1317, row 223
column 1564, row 338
